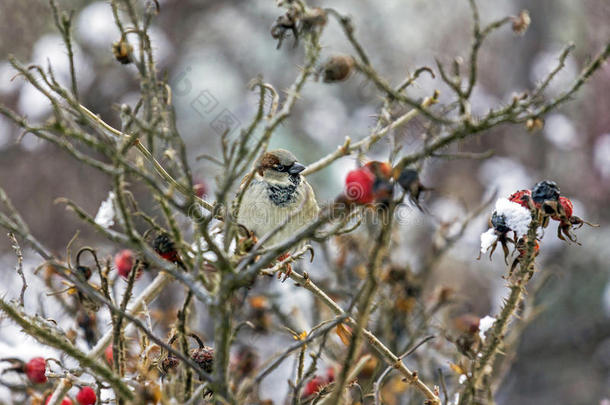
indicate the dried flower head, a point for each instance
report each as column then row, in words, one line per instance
column 122, row 51
column 567, row 221
column 521, row 22
column 283, row 24
column 534, row 124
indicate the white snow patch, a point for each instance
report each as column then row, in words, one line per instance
column 518, row 218
column 488, row 239
column 485, row 324
column 105, row 214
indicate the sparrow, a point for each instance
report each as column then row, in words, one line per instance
column 277, row 191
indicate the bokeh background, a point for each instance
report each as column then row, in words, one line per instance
column 210, row 50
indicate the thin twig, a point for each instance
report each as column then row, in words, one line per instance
column 379, row 382
column 19, row 266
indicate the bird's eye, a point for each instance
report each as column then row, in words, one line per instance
column 280, row 168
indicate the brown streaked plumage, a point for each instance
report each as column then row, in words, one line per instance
column 277, row 192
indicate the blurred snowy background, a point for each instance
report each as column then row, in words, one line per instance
column 211, row 49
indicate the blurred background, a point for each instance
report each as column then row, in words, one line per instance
column 210, row 50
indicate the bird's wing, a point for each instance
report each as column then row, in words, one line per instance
column 311, row 208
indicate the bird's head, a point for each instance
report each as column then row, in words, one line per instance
column 279, row 165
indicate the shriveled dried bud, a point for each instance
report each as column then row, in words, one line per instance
column 169, row 364
column 534, row 124
column 337, row 68
column 122, row 51
column 84, row 272
column 521, row 22
column 203, row 356
column 283, row 24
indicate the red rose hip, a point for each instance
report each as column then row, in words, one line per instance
column 35, row 370
column 123, row 262
column 359, row 185
column 86, row 396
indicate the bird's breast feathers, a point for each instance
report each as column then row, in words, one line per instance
column 281, row 194
column 267, row 204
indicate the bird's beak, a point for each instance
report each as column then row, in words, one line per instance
column 296, row 168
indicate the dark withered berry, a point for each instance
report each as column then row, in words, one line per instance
column 204, row 357
column 166, row 248
column 545, row 190
column 169, row 363
column 163, row 244
column 84, row 272
column 407, row 178
column 409, row 181
column 499, row 223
